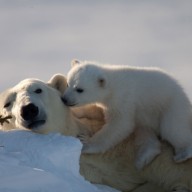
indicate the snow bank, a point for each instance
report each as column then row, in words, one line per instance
column 32, row 162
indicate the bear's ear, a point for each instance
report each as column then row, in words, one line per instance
column 58, row 82
column 101, row 82
column 75, row 62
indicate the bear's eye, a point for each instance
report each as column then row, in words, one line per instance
column 7, row 104
column 38, row 91
column 79, row 90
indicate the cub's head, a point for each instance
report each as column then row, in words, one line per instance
column 86, row 84
column 35, row 105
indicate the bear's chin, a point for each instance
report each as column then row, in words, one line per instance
column 35, row 124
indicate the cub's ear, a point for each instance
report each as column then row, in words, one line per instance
column 101, row 82
column 58, row 82
column 75, row 62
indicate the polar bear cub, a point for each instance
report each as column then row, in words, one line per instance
column 131, row 97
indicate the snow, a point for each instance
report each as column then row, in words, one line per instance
column 31, row 162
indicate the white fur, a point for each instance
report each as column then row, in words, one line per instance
column 132, row 97
column 115, row 167
column 49, row 109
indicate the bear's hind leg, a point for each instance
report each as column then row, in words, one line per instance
column 148, row 147
column 176, row 128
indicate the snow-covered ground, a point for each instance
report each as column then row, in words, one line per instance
column 32, row 162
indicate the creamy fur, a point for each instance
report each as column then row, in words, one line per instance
column 133, row 97
column 15, row 99
column 115, row 167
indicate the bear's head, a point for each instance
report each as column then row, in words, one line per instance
column 35, row 105
column 86, row 84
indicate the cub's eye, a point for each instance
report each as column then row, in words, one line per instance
column 7, row 104
column 79, row 90
column 38, row 91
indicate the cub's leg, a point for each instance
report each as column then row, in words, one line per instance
column 148, row 147
column 176, row 128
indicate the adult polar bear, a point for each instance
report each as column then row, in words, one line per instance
column 37, row 106
column 133, row 97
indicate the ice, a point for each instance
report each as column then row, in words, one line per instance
column 31, row 162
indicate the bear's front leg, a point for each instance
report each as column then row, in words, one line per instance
column 110, row 135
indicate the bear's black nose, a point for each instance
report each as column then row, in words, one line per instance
column 29, row 112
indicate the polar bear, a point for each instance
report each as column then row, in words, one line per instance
column 31, row 105
column 25, row 104
column 133, row 97
column 114, row 168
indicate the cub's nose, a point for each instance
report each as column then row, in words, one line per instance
column 29, row 112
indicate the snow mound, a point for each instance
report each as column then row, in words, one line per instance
column 32, row 162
